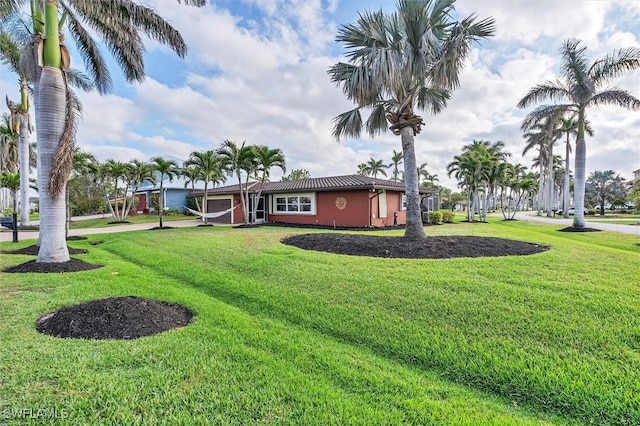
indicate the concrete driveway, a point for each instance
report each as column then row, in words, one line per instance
column 7, row 235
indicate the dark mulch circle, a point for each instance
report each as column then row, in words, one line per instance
column 122, row 318
column 157, row 228
column 33, row 250
column 400, row 247
column 76, row 238
column 73, row 265
column 572, row 229
column 123, row 222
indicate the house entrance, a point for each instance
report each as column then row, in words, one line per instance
column 260, row 212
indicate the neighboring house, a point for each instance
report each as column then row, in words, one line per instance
column 175, row 195
column 342, row 201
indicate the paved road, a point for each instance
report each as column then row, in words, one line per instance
column 614, row 227
column 32, row 235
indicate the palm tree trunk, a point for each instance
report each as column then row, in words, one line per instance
column 414, row 228
column 567, row 181
column 50, row 112
column 205, row 202
column 540, row 189
column 578, row 191
column 24, row 168
column 550, row 182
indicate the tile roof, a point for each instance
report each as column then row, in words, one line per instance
column 331, row 183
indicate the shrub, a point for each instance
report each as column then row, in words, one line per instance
column 435, row 217
column 447, row 216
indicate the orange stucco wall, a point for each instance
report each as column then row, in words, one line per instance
column 346, row 208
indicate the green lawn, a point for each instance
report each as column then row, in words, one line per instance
column 108, row 221
column 286, row 336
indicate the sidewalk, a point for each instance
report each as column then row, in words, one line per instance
column 625, row 229
column 33, row 235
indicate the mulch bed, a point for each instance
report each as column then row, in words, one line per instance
column 33, row 250
column 401, row 247
column 73, row 265
column 122, row 318
column 572, row 229
column 157, row 228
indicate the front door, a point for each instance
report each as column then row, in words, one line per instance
column 260, row 212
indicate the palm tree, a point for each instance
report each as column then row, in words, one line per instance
column 472, row 168
column 237, row 159
column 376, row 166
column 11, row 181
column 20, row 117
column 266, row 159
column 363, row 169
column 167, row 168
column 297, row 174
column 603, row 186
column 120, row 25
column 191, row 176
column 396, row 160
column 399, row 62
column 210, row 170
column 137, row 172
column 585, row 86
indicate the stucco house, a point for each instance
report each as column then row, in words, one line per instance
column 175, row 195
column 341, row 201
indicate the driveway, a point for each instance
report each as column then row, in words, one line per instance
column 6, row 235
column 614, row 227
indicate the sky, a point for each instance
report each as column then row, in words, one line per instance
column 256, row 72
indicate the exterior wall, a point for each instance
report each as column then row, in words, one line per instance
column 344, row 209
column 176, row 199
column 141, row 204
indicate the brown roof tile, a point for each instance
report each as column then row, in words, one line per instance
column 331, row 183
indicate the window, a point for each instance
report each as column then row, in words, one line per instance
column 296, row 204
column 403, row 202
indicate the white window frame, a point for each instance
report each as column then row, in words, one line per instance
column 273, row 204
column 403, row 202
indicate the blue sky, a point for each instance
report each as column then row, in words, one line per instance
column 256, row 72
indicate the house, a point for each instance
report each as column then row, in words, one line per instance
column 341, row 201
column 175, row 195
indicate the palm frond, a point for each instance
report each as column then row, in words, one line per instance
column 574, row 62
column 615, row 96
column 348, row 124
column 615, row 64
column 552, row 91
column 79, row 79
column 63, row 159
column 545, row 113
column 377, row 121
column 434, row 98
column 91, row 54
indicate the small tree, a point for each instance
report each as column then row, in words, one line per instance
column 167, row 168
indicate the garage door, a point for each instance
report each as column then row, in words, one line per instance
column 219, row 206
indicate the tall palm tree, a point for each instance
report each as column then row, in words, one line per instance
column 191, row 176
column 237, row 159
column 396, row 160
column 472, row 169
column 120, row 25
column 549, row 128
column 8, row 156
column 376, row 166
column 210, row 170
column 266, row 159
column 585, row 85
column 167, row 168
column 399, row 62
column 363, row 169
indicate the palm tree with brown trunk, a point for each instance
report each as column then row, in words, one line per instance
column 398, row 63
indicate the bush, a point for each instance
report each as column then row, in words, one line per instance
column 435, row 217
column 447, row 216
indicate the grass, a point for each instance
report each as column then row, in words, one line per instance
column 286, row 336
column 107, row 221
